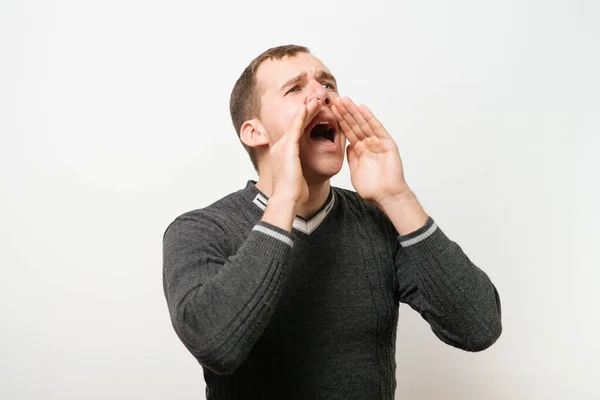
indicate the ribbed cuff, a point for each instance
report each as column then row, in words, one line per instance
column 427, row 241
column 270, row 240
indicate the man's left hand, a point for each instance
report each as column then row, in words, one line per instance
column 375, row 165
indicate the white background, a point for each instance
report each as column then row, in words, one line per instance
column 114, row 119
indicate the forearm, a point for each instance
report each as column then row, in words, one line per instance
column 456, row 297
column 224, row 310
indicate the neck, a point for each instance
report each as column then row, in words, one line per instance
column 317, row 194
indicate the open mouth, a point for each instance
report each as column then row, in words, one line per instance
column 323, row 131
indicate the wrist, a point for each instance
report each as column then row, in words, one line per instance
column 280, row 212
column 394, row 200
column 284, row 201
column 404, row 211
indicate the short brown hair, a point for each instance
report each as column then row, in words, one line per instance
column 244, row 103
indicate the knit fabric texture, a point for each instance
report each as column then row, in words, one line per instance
column 312, row 314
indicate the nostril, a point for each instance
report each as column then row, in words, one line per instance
column 327, row 100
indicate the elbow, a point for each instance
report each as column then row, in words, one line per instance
column 213, row 355
column 212, row 352
column 488, row 334
column 485, row 336
column 468, row 335
column 220, row 366
column 486, row 339
column 472, row 340
column 220, row 358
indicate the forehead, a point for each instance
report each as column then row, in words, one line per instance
column 272, row 74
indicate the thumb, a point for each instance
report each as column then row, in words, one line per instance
column 352, row 157
column 303, row 118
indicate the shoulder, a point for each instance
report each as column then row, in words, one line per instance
column 214, row 219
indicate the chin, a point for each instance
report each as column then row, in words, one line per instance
column 321, row 171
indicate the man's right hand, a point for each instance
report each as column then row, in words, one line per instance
column 290, row 190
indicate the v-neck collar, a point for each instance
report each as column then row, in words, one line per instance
column 306, row 226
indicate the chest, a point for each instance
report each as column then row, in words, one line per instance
column 338, row 287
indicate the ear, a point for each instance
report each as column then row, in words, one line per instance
column 253, row 134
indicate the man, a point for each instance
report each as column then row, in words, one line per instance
column 289, row 288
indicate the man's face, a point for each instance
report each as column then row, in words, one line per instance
column 288, row 84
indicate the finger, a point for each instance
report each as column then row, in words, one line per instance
column 359, row 122
column 352, row 157
column 376, row 126
column 348, row 118
column 346, row 130
column 313, row 107
column 303, row 117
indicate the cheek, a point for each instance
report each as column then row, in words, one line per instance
column 288, row 114
column 333, row 95
column 280, row 117
column 279, row 121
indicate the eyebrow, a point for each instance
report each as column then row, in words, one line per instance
column 321, row 75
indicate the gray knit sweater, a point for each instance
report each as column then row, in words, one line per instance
column 312, row 314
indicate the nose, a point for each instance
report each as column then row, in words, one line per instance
column 318, row 91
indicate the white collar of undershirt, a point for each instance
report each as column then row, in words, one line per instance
column 301, row 224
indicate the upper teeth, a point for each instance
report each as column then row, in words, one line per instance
column 323, row 122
